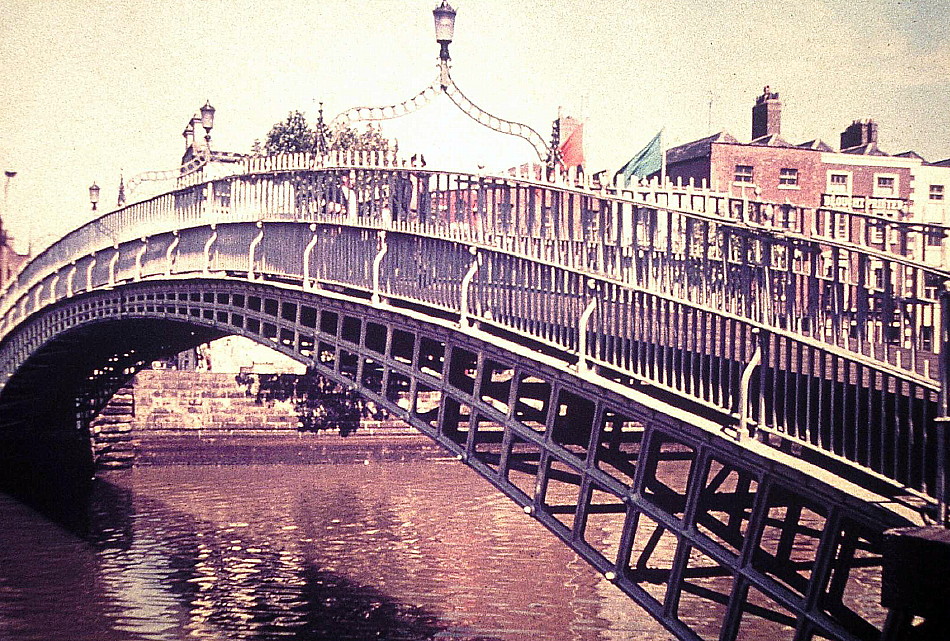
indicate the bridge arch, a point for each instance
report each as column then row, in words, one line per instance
column 609, row 470
column 585, row 350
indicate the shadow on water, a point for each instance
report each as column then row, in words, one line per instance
column 163, row 575
column 51, row 472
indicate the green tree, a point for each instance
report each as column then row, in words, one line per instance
column 295, row 135
column 289, row 136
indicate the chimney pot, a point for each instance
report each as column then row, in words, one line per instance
column 767, row 114
column 860, row 132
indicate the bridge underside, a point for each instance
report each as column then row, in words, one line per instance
column 45, row 410
column 712, row 538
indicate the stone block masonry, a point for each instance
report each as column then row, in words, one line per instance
column 174, row 416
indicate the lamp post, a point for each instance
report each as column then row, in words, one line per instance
column 444, row 16
column 207, row 121
column 94, row 195
column 9, row 173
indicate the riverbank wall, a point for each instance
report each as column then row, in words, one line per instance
column 200, row 417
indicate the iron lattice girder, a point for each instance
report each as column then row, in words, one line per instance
column 678, row 517
column 682, row 281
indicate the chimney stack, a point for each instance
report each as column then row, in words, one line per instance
column 860, row 132
column 767, row 115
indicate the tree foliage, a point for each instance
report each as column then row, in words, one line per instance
column 294, row 135
column 320, row 404
column 289, row 136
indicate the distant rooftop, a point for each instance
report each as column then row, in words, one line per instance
column 867, row 149
column 697, row 148
column 817, row 144
column 772, row 140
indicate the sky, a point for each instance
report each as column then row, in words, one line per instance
column 92, row 89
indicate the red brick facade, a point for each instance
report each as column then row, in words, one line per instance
column 803, row 187
column 812, row 174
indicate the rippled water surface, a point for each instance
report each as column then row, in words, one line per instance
column 422, row 550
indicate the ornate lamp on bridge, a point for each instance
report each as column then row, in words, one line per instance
column 194, row 159
column 94, row 195
column 444, row 27
column 444, row 16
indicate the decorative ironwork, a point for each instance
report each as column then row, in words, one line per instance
column 187, row 169
column 444, row 84
column 585, row 342
column 707, row 535
column 445, row 24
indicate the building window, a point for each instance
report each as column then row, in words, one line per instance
column 936, row 192
column 839, row 183
column 885, row 186
column 743, row 174
column 877, row 229
column 931, row 286
column 788, row 176
column 222, row 193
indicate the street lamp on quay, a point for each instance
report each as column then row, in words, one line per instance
column 94, row 195
column 444, row 17
column 9, row 173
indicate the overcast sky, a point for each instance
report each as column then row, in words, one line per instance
column 92, row 88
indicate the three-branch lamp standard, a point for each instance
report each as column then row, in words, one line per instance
column 444, row 16
column 207, row 120
column 94, row 195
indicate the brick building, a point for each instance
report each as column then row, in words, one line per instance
column 813, row 174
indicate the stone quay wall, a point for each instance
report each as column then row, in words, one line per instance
column 181, row 417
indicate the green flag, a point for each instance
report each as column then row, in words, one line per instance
column 648, row 160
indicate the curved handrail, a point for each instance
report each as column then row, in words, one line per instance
column 266, row 189
column 506, row 284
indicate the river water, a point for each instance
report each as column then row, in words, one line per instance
column 407, row 551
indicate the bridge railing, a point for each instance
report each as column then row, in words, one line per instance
column 677, row 300
column 856, row 280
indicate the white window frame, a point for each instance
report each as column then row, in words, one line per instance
column 939, row 192
column 751, row 175
column 839, row 189
column 791, row 185
column 895, row 190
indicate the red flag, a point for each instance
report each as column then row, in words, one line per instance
column 572, row 149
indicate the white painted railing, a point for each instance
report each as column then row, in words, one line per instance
column 768, row 262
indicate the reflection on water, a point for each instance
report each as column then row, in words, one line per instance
column 422, row 550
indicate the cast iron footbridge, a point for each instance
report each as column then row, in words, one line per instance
column 720, row 404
